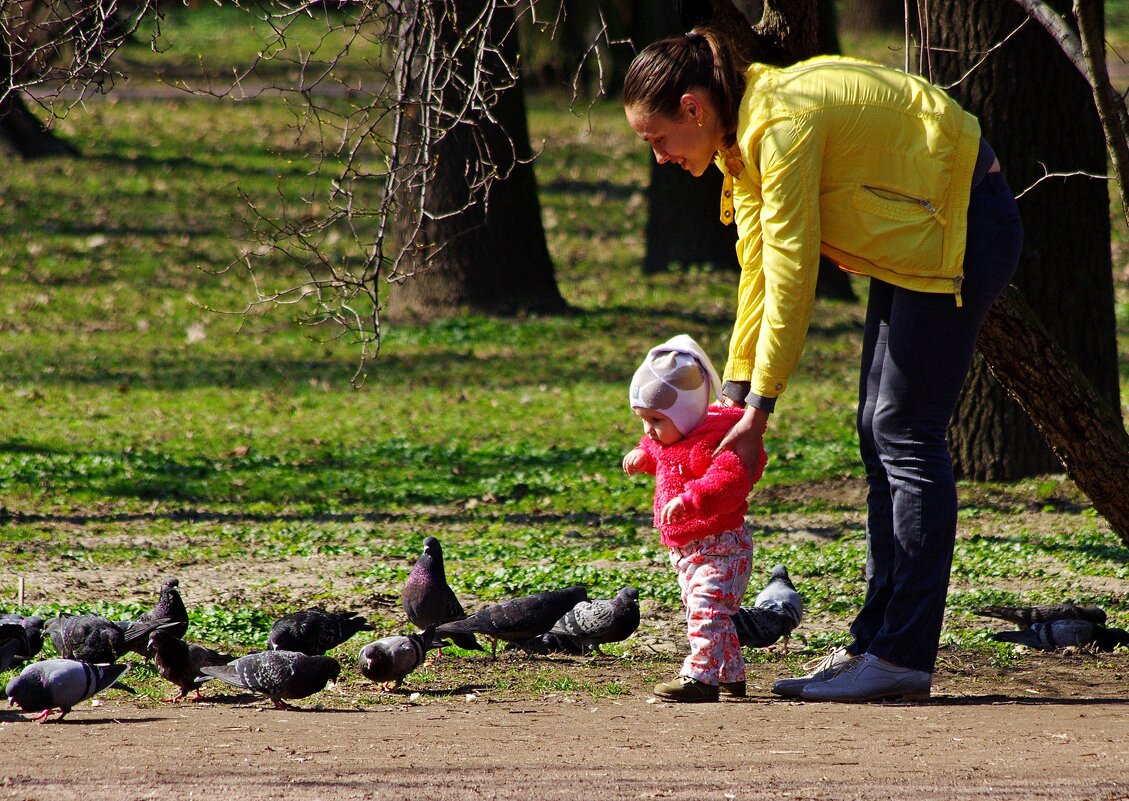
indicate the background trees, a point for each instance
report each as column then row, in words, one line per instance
column 59, row 51
column 421, row 197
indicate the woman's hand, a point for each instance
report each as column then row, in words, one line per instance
column 746, row 438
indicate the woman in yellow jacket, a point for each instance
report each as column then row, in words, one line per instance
column 885, row 174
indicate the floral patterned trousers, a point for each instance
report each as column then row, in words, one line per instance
column 712, row 574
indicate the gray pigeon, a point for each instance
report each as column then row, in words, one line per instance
column 99, row 640
column 1026, row 615
column 63, row 683
column 388, row 660
column 1053, row 635
column 517, row 619
column 279, row 675
column 179, row 662
column 314, row 631
column 428, row 600
column 775, row 612
column 590, row 624
column 31, row 639
column 170, row 606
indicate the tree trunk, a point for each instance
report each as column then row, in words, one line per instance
column 20, row 128
column 1084, row 433
column 482, row 254
column 1065, row 272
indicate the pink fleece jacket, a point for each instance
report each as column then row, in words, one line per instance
column 715, row 490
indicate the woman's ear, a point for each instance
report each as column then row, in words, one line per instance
column 692, row 106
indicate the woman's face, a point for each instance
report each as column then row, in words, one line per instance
column 688, row 140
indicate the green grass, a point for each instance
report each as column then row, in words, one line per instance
column 144, row 434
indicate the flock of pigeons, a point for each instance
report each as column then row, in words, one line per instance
column 294, row 664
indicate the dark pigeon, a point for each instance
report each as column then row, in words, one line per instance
column 517, row 619
column 1027, row 615
column 388, row 660
column 314, row 631
column 775, row 612
column 279, row 675
column 170, row 606
column 428, row 600
column 98, row 640
column 32, row 638
column 60, row 683
column 179, row 662
column 9, row 650
column 1054, row 635
column 590, row 624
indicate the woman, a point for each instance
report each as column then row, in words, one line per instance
column 887, row 175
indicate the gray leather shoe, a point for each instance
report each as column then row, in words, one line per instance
column 869, row 678
column 827, row 667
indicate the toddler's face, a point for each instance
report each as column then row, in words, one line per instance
column 657, row 426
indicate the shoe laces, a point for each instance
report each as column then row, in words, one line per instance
column 821, row 662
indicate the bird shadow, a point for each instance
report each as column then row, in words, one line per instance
column 462, row 689
column 992, row 699
column 254, row 701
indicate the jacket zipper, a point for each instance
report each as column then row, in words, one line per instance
column 901, row 197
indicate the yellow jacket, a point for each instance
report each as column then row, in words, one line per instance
column 866, row 164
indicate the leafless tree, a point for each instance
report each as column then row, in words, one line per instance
column 55, row 52
column 415, row 141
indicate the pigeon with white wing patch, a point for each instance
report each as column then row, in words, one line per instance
column 775, row 612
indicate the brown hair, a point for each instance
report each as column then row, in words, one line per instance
column 667, row 69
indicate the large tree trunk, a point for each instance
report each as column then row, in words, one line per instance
column 684, row 228
column 1085, row 434
column 486, row 255
column 21, row 129
column 1065, row 272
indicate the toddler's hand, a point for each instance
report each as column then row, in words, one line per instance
column 632, row 461
column 674, row 510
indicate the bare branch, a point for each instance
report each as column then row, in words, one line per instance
column 1048, row 175
column 1087, row 53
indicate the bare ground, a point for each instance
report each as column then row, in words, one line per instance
column 1054, row 728
column 1051, row 726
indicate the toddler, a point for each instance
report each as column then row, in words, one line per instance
column 700, row 504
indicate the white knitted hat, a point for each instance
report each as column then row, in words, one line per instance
column 677, row 379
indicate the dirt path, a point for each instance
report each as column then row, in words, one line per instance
column 950, row 748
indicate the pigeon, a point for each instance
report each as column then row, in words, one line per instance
column 776, row 611
column 1027, row 615
column 428, row 600
column 278, row 674
column 590, row 624
column 517, row 619
column 32, row 638
column 9, row 650
column 63, row 683
column 314, row 631
column 179, row 662
column 1053, row 635
column 14, row 645
column 170, row 606
column 98, row 640
column 388, row 660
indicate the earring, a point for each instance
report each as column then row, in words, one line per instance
column 700, row 122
